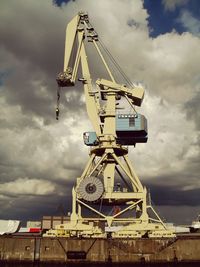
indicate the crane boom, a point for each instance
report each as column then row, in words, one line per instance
column 79, row 29
column 75, row 32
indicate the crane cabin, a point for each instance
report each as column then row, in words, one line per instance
column 130, row 129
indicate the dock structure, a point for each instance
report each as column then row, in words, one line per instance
column 183, row 248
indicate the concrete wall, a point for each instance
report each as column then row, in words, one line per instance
column 185, row 249
column 12, row 249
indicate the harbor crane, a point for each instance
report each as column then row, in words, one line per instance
column 108, row 199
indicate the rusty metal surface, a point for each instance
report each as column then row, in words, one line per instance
column 184, row 248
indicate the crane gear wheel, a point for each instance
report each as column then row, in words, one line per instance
column 90, row 189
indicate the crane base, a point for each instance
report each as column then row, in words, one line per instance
column 83, row 230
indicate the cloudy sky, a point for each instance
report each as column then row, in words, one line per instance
column 157, row 42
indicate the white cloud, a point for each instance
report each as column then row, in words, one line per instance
column 171, row 68
column 189, row 22
column 171, row 141
column 41, row 150
column 172, row 4
column 25, row 186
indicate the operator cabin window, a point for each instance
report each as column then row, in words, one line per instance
column 131, row 122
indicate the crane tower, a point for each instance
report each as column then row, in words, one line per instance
column 108, row 199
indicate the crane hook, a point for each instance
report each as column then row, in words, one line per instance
column 58, row 104
column 57, row 113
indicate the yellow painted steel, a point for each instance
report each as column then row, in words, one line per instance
column 129, row 217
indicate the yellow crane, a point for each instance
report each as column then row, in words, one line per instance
column 108, row 199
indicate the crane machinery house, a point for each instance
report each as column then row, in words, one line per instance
column 130, row 129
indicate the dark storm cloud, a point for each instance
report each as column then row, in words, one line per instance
column 32, row 35
column 173, row 195
column 175, row 188
column 24, row 90
column 36, row 42
column 33, row 208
